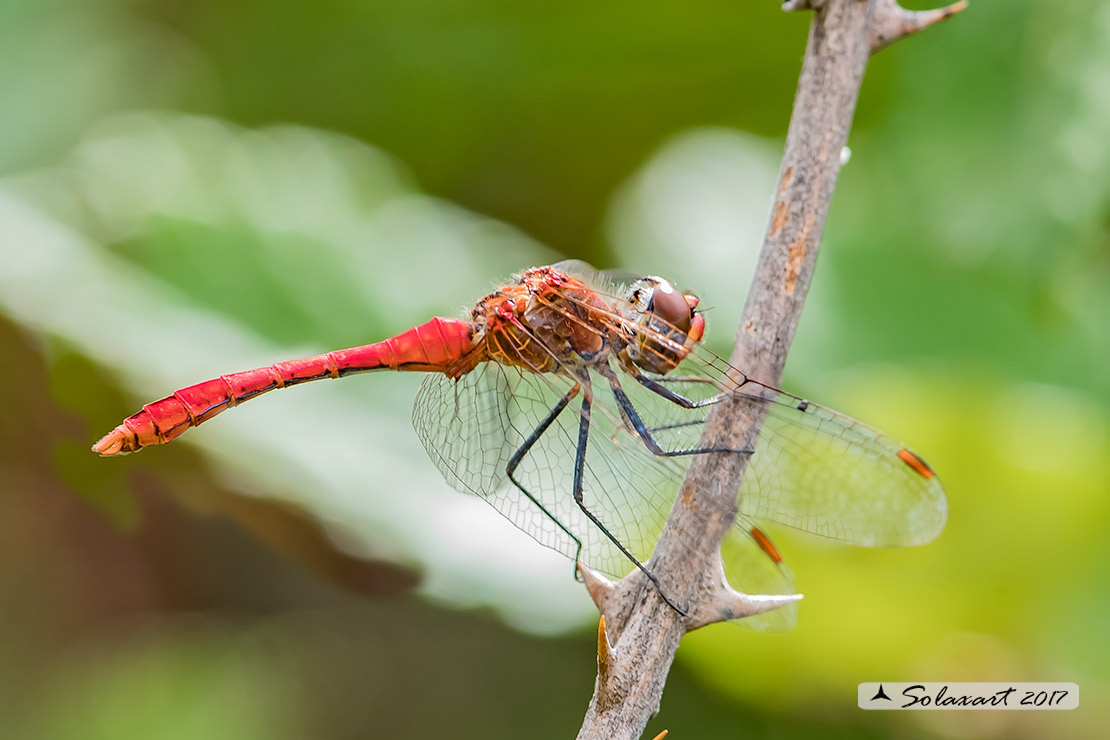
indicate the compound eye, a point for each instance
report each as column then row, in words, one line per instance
column 670, row 306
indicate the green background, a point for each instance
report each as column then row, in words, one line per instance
column 190, row 188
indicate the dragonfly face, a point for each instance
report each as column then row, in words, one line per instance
column 661, row 311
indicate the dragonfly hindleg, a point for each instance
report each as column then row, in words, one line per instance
column 579, row 498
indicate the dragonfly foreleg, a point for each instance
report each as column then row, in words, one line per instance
column 579, row 498
column 691, row 379
column 676, row 425
column 518, row 456
column 628, row 410
column 657, row 387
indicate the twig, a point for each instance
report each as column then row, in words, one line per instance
column 641, row 632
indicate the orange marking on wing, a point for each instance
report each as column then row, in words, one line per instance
column 915, row 462
column 766, row 545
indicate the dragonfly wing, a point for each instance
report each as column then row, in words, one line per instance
column 820, row 471
column 471, row 428
column 813, row 469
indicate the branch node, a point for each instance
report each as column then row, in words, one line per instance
column 892, row 22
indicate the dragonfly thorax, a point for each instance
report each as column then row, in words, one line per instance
column 545, row 322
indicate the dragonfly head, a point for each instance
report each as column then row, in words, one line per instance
column 669, row 322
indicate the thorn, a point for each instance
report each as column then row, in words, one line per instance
column 598, row 586
column 604, row 649
column 892, row 22
column 609, row 691
column 730, row 604
column 723, row 603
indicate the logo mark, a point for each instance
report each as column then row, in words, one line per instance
column 880, row 694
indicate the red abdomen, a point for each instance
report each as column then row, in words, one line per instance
column 440, row 345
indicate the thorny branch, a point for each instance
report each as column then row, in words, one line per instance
column 637, row 643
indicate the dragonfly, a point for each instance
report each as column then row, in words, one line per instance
column 574, row 403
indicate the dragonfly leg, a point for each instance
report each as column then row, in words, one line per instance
column 579, row 498
column 657, row 387
column 691, row 379
column 518, row 456
column 628, row 410
column 676, row 425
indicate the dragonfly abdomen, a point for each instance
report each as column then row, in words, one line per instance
column 439, row 345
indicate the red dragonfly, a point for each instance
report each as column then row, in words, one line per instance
column 573, row 406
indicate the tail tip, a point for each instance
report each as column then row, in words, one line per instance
column 119, row 441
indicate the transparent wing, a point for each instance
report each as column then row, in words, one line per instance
column 819, row 471
column 471, row 428
column 814, row 469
